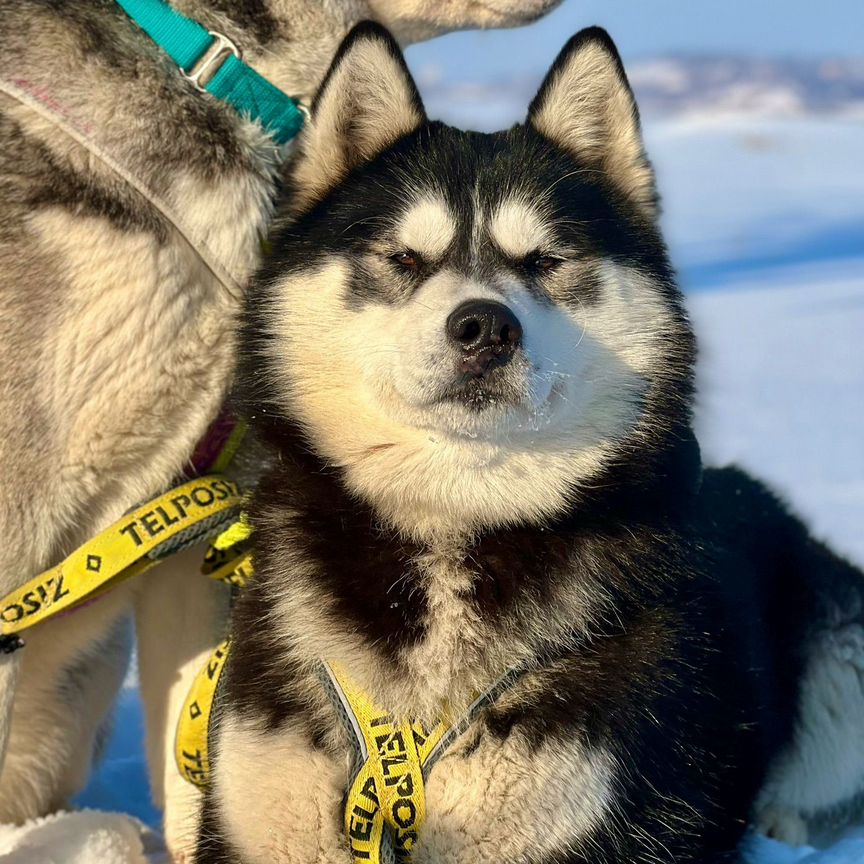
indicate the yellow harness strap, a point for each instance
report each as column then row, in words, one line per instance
column 185, row 515
column 228, row 557
column 388, row 788
column 191, row 744
column 392, row 761
column 229, row 560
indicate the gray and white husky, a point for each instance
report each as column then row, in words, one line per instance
column 132, row 212
column 471, row 362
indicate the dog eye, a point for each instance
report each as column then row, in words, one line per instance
column 407, row 260
column 541, row 263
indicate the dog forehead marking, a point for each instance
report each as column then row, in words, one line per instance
column 427, row 226
column 518, row 228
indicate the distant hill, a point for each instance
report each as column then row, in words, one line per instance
column 673, row 85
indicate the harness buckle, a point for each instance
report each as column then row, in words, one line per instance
column 211, row 61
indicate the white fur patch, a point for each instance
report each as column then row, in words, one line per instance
column 280, row 800
column 631, row 318
column 503, row 804
column 824, row 766
column 428, row 228
column 517, row 228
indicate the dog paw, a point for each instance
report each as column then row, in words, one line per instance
column 779, row 823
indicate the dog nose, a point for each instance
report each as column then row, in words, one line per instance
column 487, row 332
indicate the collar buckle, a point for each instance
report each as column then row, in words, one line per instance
column 211, row 61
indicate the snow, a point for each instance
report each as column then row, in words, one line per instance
column 849, row 849
column 766, row 223
column 781, row 384
column 747, row 194
column 765, row 220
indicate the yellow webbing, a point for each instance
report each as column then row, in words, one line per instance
column 232, row 445
column 128, row 547
column 235, row 570
column 392, row 758
column 229, row 560
column 228, row 557
column 389, row 787
column 191, row 745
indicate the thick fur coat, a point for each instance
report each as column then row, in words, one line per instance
column 117, row 316
column 473, row 370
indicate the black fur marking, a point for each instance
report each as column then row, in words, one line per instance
column 367, row 568
column 364, row 568
column 251, row 681
column 9, row 644
column 31, row 177
column 213, row 846
column 702, row 670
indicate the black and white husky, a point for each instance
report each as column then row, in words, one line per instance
column 472, row 364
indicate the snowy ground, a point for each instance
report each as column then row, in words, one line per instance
column 765, row 220
column 766, row 223
column 782, row 391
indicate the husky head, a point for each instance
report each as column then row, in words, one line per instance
column 474, row 330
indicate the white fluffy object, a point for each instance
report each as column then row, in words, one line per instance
column 83, row 837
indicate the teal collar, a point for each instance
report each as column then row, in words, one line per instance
column 212, row 62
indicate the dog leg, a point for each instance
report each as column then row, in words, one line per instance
column 506, row 801
column 823, row 769
column 180, row 617
column 277, row 799
column 10, row 667
column 71, row 670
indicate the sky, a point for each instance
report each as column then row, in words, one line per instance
column 642, row 28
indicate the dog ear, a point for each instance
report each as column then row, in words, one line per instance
column 585, row 106
column 368, row 100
